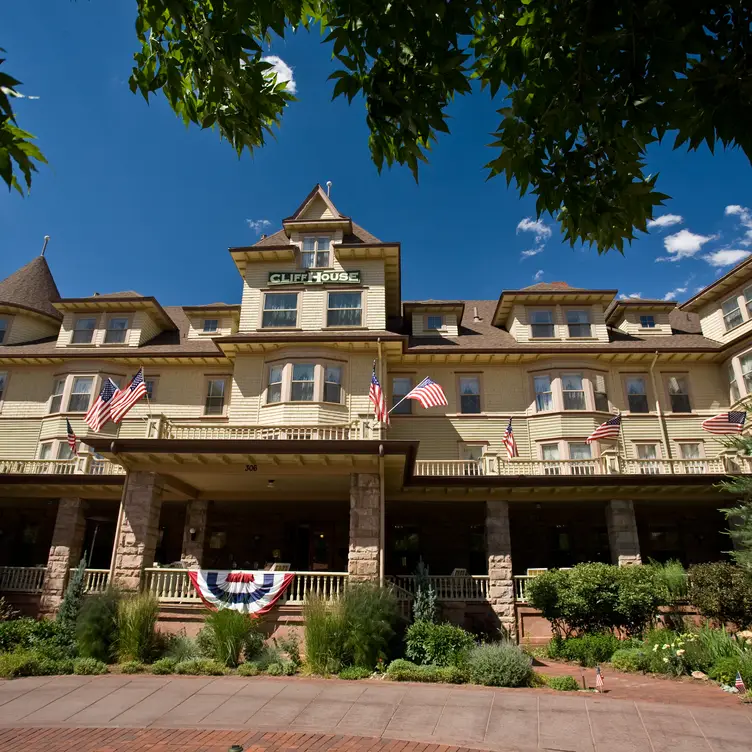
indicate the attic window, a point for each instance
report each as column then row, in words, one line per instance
column 3, row 329
column 211, row 325
column 434, row 322
column 315, row 253
column 647, row 322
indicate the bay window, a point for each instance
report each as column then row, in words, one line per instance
column 746, row 363
column 117, row 328
column 734, row 394
column 732, row 316
column 579, row 323
column 274, row 388
column 56, row 400
column 637, row 394
column 600, row 395
column 3, row 330
column 214, row 403
column 401, row 385
column 678, row 392
column 543, row 396
column 315, row 253
column 573, row 391
column 541, row 324
column 3, row 381
column 333, row 384
column 80, row 395
column 344, row 309
column 469, row 394
column 305, row 382
column 302, row 382
column 280, row 310
column 83, row 330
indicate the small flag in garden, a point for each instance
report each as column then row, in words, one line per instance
column 725, row 423
column 739, row 683
column 72, row 438
column 598, row 679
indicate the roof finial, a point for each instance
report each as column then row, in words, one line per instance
column 328, row 187
column 44, row 247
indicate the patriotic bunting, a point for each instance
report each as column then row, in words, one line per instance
column 248, row 592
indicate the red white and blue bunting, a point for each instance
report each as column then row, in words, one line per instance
column 251, row 593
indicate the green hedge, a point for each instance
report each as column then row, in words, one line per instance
column 33, row 634
column 437, row 644
column 588, row 650
column 722, row 592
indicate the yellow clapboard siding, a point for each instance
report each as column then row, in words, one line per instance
column 29, row 329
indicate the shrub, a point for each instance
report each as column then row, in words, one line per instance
column 588, row 650
column 181, row 648
column 709, row 645
column 136, row 623
column 630, row 659
column 275, row 669
column 30, row 634
column 500, row 664
column 671, row 578
column 89, row 667
column 724, row 669
column 164, row 666
column 198, row 666
column 96, row 628
column 562, row 683
column 268, row 655
column 324, row 635
column 225, row 634
column 6, row 611
column 248, row 669
column 402, row 670
column 438, row 644
column 370, row 613
column 254, row 641
column 291, row 646
column 721, row 592
column 70, row 607
column 640, row 592
column 354, row 672
column 32, row 663
column 666, row 651
column 131, row 667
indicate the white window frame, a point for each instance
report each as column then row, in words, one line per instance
column 746, row 375
column 210, row 330
column 734, row 392
column 3, row 387
column 582, row 443
column 644, row 379
column 117, row 317
column 747, row 293
column 264, row 310
column 588, row 323
column 735, row 311
column 269, row 383
column 316, row 251
column 76, row 321
column 700, row 450
column 154, row 381
column 70, row 393
column 638, row 445
column 550, row 393
column 542, row 451
column 647, row 321
column 312, row 382
column 406, row 408
column 54, row 393
column 44, row 445
column 325, row 368
column 360, row 308
column 208, row 381
column 477, row 378
column 551, row 323
column 582, row 390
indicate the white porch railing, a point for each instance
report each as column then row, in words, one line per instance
column 448, row 587
column 597, row 466
column 520, row 587
column 449, row 468
column 95, row 580
column 357, row 430
column 22, row 579
column 84, row 465
column 715, row 466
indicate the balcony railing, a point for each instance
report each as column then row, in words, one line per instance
column 447, row 587
column 450, row 468
column 22, row 579
column 85, row 465
column 598, row 466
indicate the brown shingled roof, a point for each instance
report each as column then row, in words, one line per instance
column 359, row 235
column 32, row 287
column 549, row 286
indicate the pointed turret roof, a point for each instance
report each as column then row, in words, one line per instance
column 32, row 288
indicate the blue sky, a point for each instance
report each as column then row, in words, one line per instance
column 134, row 200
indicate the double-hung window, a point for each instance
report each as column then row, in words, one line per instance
column 3, row 381
column 748, row 299
column 211, row 325
column 550, row 453
column 732, row 316
column 3, row 330
column 401, row 385
column 541, row 324
column 333, row 384
column 215, row 396
column 600, row 396
column 80, row 395
column 45, row 450
column 637, row 394
column 746, row 364
column 579, row 323
column 315, row 253
column 274, row 390
column 83, row 330
column 345, row 309
column 56, row 400
column 469, row 394
column 64, row 452
column 678, row 392
column 150, row 386
column 302, row 387
column 280, row 310
column 647, row 322
column 544, row 400
column 573, row 391
column 734, row 394
column 689, row 451
column 647, row 452
column 117, row 328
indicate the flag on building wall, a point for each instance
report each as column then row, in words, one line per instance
column 72, row 438
column 376, row 395
column 251, row 593
column 124, row 400
column 607, row 430
column 99, row 412
column 739, row 683
column 428, row 393
column 725, row 423
column 599, row 685
column 509, row 442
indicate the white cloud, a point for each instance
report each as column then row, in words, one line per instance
column 745, row 220
column 665, row 220
column 538, row 276
column 683, row 244
column 532, row 251
column 631, row 296
column 538, row 226
column 17, row 94
column 282, row 71
column 258, row 225
column 726, row 257
column 675, row 293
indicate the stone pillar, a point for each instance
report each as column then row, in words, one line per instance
column 622, row 533
column 65, row 552
column 363, row 557
column 499, row 552
column 193, row 542
column 139, row 527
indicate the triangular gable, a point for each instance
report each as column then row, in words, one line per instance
column 316, row 205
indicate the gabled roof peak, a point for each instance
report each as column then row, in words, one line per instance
column 33, row 288
column 318, row 194
column 550, row 287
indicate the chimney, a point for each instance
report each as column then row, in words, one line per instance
column 476, row 318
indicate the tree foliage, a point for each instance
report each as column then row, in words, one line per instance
column 583, row 87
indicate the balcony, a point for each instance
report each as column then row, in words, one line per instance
column 85, row 465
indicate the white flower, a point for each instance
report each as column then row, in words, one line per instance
column 680, row 652
column 655, row 648
column 667, row 646
column 665, row 660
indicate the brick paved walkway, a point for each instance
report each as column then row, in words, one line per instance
column 197, row 714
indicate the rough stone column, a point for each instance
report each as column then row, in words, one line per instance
column 137, row 539
column 622, row 533
column 499, row 552
column 363, row 557
column 65, row 552
column 193, row 546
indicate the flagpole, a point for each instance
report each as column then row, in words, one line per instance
column 621, row 436
column 148, row 401
column 400, row 402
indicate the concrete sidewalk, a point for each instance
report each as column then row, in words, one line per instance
column 498, row 719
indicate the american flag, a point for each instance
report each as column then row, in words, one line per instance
column 739, row 683
column 376, row 395
column 72, row 438
column 598, row 679
column 509, row 442
column 125, row 399
column 732, row 422
column 99, row 412
column 607, row 430
column 428, row 393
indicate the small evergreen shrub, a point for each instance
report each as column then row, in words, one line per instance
column 289, row 645
column 131, row 667
column 437, row 644
column 164, row 666
column 199, row 666
column 89, row 667
column 630, row 660
column 248, row 669
column 181, row 648
column 562, row 683
column 721, row 592
column 73, row 599
column 354, row 672
column 587, row 650
column 268, row 655
column 275, row 669
column 501, row 664
column 96, row 627
column 136, row 628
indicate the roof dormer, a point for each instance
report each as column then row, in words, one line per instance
column 213, row 320
column 434, row 318
column 640, row 317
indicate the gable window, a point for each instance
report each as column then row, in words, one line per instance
column 401, row 385
column 434, row 322
column 345, row 309
column 302, row 382
column 117, row 328
column 215, row 396
column 274, row 389
column 600, row 396
column 3, row 330
column 541, row 324
column 647, row 322
column 678, row 392
column 579, row 323
column 83, row 330
column 333, row 384
column 734, row 394
column 732, row 316
column 78, row 401
column 315, row 253
column 543, row 396
column 211, row 325
column 280, row 310
column 573, row 391
column 3, row 381
column 56, row 400
column 746, row 363
column 637, row 394
column 469, row 394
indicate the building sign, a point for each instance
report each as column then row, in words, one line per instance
column 314, row 277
